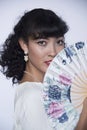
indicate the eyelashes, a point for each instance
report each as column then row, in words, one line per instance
column 60, row 42
column 42, row 43
column 45, row 42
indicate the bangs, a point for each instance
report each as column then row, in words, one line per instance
column 48, row 31
column 43, row 24
column 47, row 25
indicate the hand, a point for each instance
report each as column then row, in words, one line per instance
column 82, row 124
column 84, row 110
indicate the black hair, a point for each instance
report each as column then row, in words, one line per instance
column 37, row 23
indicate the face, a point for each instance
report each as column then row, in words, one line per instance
column 42, row 51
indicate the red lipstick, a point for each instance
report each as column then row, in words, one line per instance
column 48, row 62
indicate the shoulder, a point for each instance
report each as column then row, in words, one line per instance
column 29, row 108
column 28, row 98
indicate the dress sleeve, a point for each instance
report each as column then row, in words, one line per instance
column 29, row 112
column 22, row 120
column 18, row 113
column 27, row 109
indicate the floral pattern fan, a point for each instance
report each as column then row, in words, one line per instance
column 65, row 86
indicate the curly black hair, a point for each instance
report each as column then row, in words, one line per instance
column 37, row 23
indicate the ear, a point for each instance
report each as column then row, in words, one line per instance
column 23, row 45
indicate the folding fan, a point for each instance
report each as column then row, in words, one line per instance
column 65, row 86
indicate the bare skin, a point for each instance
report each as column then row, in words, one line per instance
column 82, row 124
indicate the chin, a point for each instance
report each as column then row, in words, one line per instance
column 45, row 70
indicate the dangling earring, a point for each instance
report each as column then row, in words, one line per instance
column 25, row 56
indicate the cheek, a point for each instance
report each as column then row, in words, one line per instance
column 59, row 49
column 35, row 54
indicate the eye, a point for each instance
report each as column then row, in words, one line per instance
column 41, row 43
column 60, row 42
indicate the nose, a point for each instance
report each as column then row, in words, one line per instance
column 52, row 51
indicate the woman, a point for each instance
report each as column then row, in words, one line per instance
column 26, row 55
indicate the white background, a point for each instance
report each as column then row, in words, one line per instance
column 72, row 11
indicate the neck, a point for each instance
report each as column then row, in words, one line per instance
column 32, row 77
column 32, row 74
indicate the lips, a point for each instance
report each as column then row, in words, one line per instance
column 48, row 62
